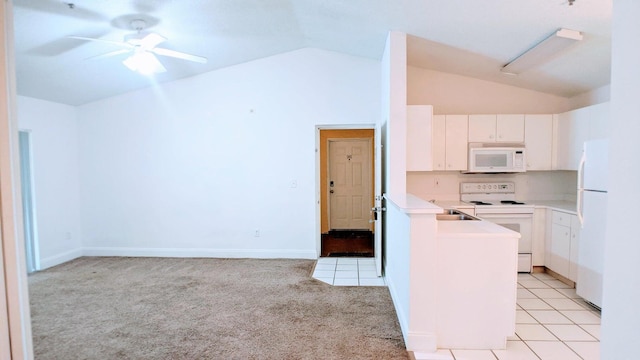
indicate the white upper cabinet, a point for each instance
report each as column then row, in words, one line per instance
column 435, row 142
column 456, row 127
column 502, row 128
column 571, row 132
column 482, row 128
column 573, row 128
column 510, row 128
column 538, row 131
column 419, row 130
column 449, row 142
column 438, row 141
column 599, row 121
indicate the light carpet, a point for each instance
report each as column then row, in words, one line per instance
column 176, row 308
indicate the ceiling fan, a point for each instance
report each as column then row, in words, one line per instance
column 143, row 49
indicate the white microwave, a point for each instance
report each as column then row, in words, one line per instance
column 485, row 158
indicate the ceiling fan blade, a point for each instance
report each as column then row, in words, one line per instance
column 117, row 43
column 152, row 40
column 144, row 62
column 179, row 55
column 109, row 54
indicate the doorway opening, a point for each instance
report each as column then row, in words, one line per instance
column 347, row 192
column 28, row 204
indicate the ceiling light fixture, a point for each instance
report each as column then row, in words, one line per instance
column 543, row 51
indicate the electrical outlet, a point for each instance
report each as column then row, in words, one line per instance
column 294, row 183
column 257, row 233
column 436, row 182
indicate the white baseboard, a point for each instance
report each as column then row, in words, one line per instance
column 400, row 311
column 60, row 259
column 420, row 342
column 200, row 253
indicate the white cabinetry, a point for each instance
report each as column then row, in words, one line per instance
column 482, row 128
column 538, row 141
column 419, row 130
column 510, row 128
column 449, row 142
column 563, row 246
column 573, row 251
column 538, row 236
column 502, row 128
column 573, row 128
column 571, row 131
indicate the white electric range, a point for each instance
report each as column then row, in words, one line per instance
column 496, row 202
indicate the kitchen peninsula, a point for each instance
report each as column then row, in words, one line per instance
column 440, row 272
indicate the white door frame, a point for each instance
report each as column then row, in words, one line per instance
column 32, row 252
column 14, row 291
column 377, row 185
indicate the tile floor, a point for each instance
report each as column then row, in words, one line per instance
column 552, row 322
column 347, row 271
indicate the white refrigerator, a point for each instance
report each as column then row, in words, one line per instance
column 592, row 212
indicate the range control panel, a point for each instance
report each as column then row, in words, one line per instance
column 488, row 188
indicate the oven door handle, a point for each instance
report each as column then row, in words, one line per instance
column 503, row 215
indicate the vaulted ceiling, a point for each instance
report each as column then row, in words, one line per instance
column 472, row 38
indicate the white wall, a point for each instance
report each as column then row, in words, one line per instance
column 195, row 167
column 457, row 94
column 596, row 96
column 620, row 316
column 54, row 153
column 394, row 65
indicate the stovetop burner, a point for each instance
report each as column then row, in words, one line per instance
column 490, row 198
column 511, row 202
column 480, row 203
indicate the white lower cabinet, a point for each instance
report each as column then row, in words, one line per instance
column 538, row 236
column 573, row 252
column 562, row 252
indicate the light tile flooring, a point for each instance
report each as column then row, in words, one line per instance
column 552, row 323
column 348, row 271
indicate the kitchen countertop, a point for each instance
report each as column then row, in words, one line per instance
column 562, row 205
column 453, row 204
column 411, row 204
column 568, row 206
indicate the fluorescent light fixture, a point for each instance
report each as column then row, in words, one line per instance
column 543, row 51
column 144, row 62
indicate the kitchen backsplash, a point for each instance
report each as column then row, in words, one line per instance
column 532, row 185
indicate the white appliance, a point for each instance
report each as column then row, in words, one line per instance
column 496, row 158
column 496, row 202
column 592, row 212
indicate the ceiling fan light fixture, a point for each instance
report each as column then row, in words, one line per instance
column 543, row 51
column 144, row 62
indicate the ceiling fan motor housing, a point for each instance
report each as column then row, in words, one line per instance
column 138, row 24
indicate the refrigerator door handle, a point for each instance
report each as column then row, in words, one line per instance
column 579, row 207
column 580, row 189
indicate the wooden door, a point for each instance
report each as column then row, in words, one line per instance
column 349, row 184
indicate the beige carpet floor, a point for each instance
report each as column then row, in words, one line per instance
column 168, row 308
